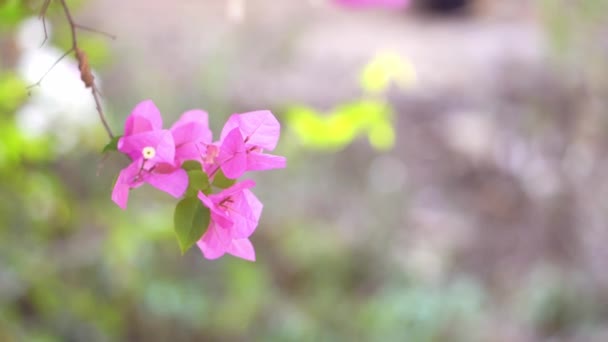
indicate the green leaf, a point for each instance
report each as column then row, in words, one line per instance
column 197, row 180
column 221, row 181
column 112, row 145
column 191, row 219
column 191, row 165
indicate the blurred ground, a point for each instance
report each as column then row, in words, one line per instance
column 313, row 52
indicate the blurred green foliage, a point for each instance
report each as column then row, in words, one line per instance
column 371, row 116
column 15, row 147
column 567, row 20
column 12, row 92
column 386, row 69
column 95, row 44
column 337, row 129
column 11, row 13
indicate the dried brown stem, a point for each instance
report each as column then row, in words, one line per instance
column 83, row 63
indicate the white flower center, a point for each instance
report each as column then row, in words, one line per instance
column 148, row 152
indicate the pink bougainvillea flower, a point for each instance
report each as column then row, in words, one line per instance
column 192, row 135
column 391, row 4
column 235, row 209
column 243, row 140
column 214, row 246
column 235, row 213
column 152, row 151
column 144, row 117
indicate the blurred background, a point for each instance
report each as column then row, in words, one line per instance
column 446, row 174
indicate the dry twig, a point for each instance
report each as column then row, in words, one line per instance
column 83, row 63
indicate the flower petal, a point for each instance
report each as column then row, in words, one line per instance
column 120, row 193
column 194, row 115
column 213, row 245
column 191, row 134
column 235, row 188
column 245, row 211
column 235, row 167
column 125, row 182
column 218, row 215
column 144, row 117
column 263, row 161
column 231, row 123
column 174, row 183
column 255, row 206
column 192, row 126
column 160, row 140
column 189, row 151
column 259, row 128
column 232, row 157
column 242, row 248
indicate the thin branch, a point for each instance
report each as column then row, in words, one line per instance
column 51, row 68
column 68, row 16
column 45, row 7
column 102, row 117
column 90, row 29
column 83, row 62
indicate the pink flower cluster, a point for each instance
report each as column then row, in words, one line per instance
column 157, row 156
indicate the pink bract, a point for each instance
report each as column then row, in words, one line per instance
column 235, row 213
column 214, row 245
column 243, row 140
column 164, row 177
column 144, row 117
column 191, row 134
column 236, row 209
column 152, row 151
column 157, row 156
column 259, row 128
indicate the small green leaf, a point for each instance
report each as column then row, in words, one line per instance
column 191, row 219
column 191, row 165
column 221, row 181
column 112, row 145
column 197, row 180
